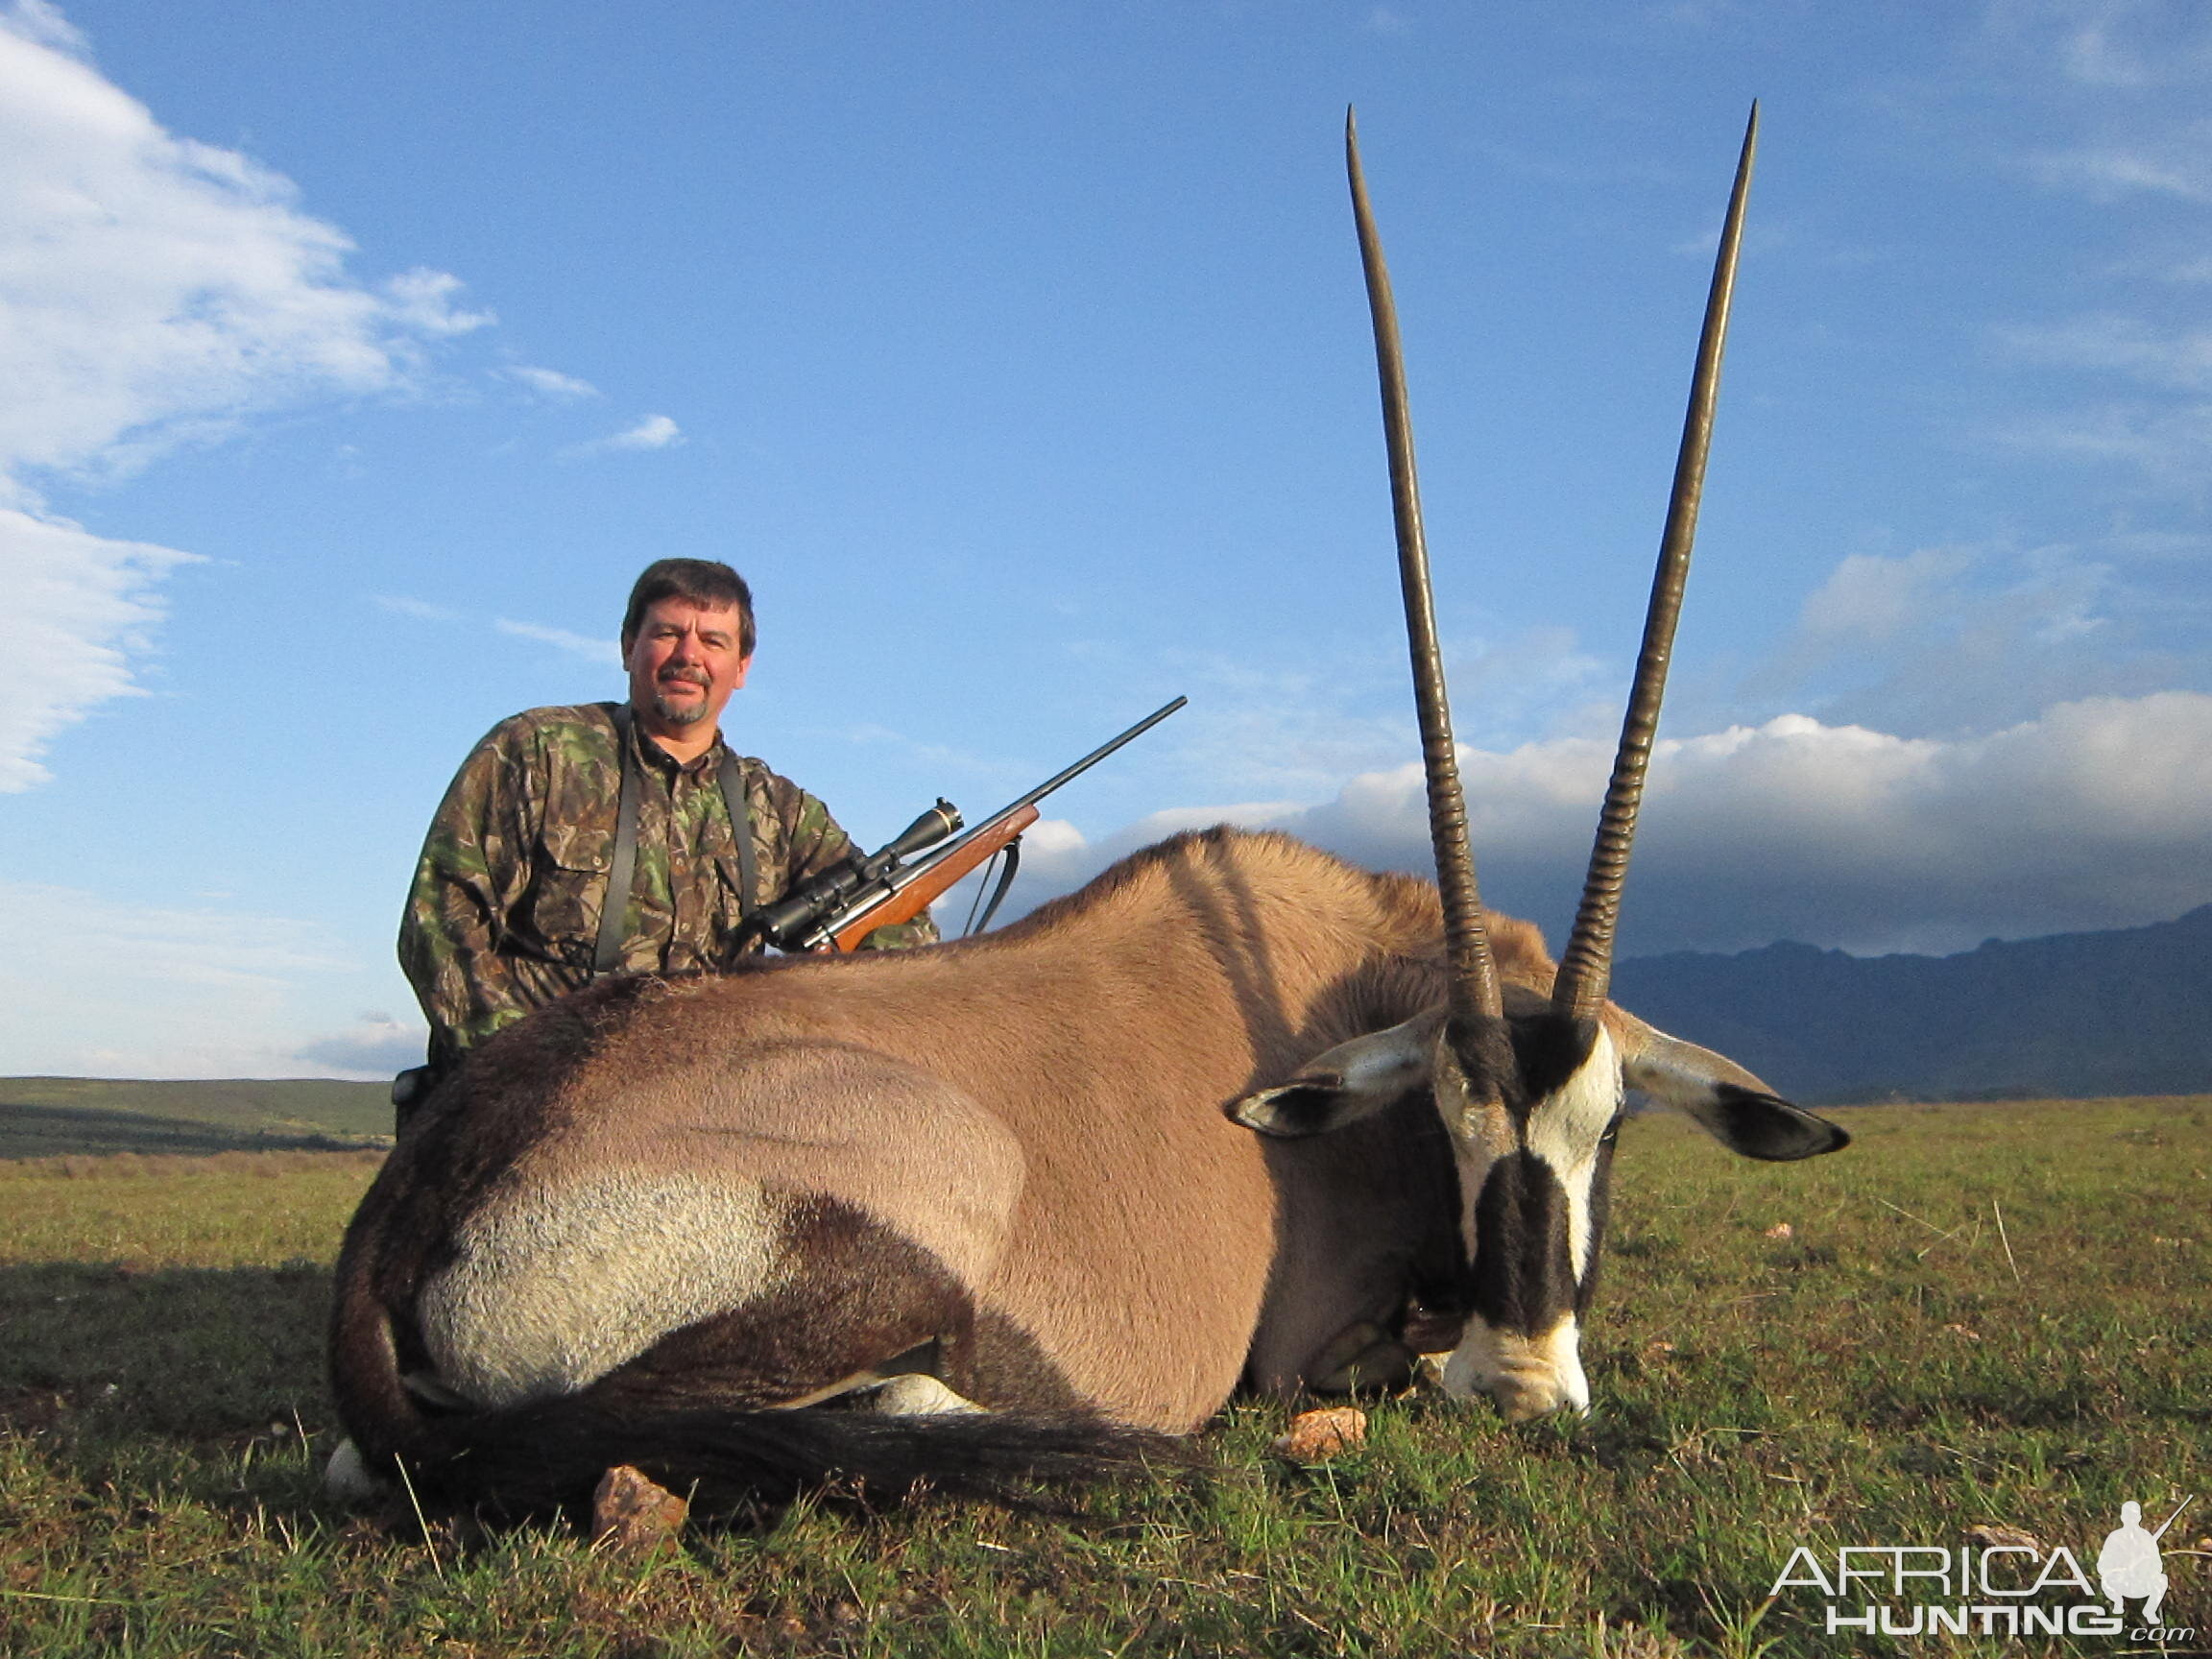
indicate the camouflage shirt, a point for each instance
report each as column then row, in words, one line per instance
column 504, row 913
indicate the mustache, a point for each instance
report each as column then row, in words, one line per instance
column 686, row 676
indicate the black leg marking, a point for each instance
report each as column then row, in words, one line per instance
column 857, row 1294
column 1004, row 1369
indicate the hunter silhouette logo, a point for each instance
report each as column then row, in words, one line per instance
column 2129, row 1564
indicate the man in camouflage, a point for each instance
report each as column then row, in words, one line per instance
column 504, row 914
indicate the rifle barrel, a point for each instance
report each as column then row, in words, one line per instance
column 1094, row 757
column 907, row 874
column 1047, row 786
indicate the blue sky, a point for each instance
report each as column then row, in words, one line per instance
column 353, row 359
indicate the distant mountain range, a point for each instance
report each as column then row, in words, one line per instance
column 2127, row 1012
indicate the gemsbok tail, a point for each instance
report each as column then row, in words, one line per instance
column 725, row 1457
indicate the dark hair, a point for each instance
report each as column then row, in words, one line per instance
column 704, row 582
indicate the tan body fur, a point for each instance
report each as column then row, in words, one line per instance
column 1039, row 1112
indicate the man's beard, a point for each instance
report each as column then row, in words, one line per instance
column 681, row 714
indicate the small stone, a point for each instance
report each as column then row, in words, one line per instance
column 1317, row 1436
column 630, row 1514
column 2007, row 1537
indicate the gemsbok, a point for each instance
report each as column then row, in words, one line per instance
column 1007, row 1188
column 1526, row 1075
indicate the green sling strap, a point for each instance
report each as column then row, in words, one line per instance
column 622, row 870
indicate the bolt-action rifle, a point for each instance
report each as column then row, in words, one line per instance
column 852, row 899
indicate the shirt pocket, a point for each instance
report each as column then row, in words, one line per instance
column 568, row 891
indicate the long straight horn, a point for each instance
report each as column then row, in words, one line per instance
column 1473, row 976
column 1586, row 968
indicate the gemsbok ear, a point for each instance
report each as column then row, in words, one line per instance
column 1765, row 1126
column 1349, row 1082
column 1724, row 1099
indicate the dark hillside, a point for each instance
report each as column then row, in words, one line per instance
column 2126, row 1012
column 44, row 1116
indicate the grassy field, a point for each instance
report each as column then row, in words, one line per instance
column 1977, row 1315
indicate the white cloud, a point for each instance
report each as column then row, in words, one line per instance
column 153, row 292
column 2133, row 47
column 2089, row 816
column 375, row 1046
column 2174, row 357
column 37, row 21
column 2093, row 57
column 1294, row 727
column 421, row 610
column 550, row 383
column 1960, row 639
column 177, row 993
column 79, row 608
column 2109, row 172
column 1871, row 600
column 2166, row 446
column 654, row 432
column 423, row 301
column 150, row 284
column 599, row 651
column 2108, row 46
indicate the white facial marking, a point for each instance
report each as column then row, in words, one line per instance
column 554, row 1287
column 1530, row 1377
column 1565, row 1131
column 1527, row 1377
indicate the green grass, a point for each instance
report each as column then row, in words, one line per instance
column 58, row 1117
column 1979, row 1315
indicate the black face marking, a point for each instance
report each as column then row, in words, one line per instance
column 1762, row 1126
column 1535, row 1054
column 1485, row 1051
column 1549, row 1049
column 1524, row 1272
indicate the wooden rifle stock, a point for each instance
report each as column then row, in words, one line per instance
column 916, row 896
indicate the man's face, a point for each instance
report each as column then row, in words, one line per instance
column 683, row 664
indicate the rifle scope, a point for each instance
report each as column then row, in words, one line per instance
column 788, row 923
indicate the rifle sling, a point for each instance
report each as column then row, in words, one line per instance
column 1013, row 852
column 622, row 870
column 740, row 804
